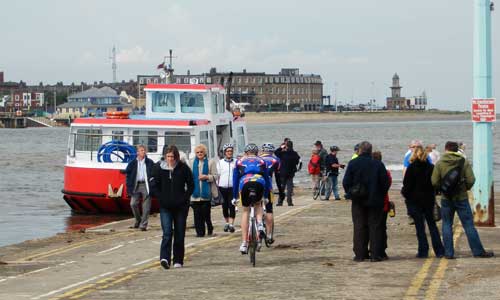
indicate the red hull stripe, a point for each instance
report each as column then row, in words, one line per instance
column 140, row 122
column 200, row 87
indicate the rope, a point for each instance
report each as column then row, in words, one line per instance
column 116, row 151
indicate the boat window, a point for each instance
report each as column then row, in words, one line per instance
column 204, row 139
column 222, row 103
column 163, row 102
column 240, row 135
column 192, row 103
column 88, row 139
column 182, row 140
column 117, row 135
column 211, row 148
column 214, row 103
column 146, row 137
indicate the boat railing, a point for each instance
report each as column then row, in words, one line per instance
column 94, row 146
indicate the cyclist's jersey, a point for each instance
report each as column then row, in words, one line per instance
column 247, row 169
column 273, row 163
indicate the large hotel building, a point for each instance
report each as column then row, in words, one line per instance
column 262, row 91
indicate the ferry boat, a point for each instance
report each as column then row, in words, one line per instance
column 99, row 149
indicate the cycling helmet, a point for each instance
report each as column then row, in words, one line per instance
column 268, row 147
column 227, row 146
column 334, row 148
column 251, row 148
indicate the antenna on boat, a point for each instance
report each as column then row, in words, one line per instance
column 167, row 71
column 113, row 62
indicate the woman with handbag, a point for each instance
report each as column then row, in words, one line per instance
column 225, row 169
column 205, row 176
column 420, row 200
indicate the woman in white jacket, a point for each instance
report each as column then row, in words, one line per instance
column 225, row 169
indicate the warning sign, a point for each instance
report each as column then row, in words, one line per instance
column 483, row 110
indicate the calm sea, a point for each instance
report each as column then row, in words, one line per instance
column 32, row 164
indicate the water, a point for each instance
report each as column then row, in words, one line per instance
column 32, row 165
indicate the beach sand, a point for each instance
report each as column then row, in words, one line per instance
column 307, row 117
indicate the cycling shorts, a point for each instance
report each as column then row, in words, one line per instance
column 251, row 193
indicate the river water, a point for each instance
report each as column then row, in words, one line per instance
column 32, row 165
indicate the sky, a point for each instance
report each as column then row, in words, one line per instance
column 355, row 45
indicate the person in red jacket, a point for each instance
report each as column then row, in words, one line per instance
column 377, row 155
column 314, row 168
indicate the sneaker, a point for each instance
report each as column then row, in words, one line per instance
column 259, row 246
column 177, row 266
column 135, row 226
column 337, row 199
column 244, row 248
column 279, row 204
column 270, row 239
column 262, row 230
column 226, row 227
column 485, row 254
column 411, row 221
column 165, row 264
column 231, row 228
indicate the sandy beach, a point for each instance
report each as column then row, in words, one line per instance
column 383, row 116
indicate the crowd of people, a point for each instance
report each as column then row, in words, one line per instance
column 179, row 185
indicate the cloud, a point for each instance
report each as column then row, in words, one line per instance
column 133, row 55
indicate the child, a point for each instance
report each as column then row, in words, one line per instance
column 314, row 168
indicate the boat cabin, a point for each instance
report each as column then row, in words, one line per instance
column 184, row 115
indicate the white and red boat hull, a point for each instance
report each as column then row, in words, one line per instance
column 87, row 190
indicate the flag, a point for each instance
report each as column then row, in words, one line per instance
column 161, row 66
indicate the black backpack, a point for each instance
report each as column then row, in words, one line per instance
column 450, row 184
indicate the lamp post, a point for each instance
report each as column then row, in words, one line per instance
column 483, row 202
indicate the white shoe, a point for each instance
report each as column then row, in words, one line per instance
column 177, row 266
column 244, row 248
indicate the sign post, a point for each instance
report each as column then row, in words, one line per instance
column 483, row 113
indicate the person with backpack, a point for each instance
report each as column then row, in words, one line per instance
column 314, row 168
column 453, row 175
column 420, row 199
column 367, row 183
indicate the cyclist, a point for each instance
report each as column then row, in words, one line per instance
column 273, row 164
column 250, row 184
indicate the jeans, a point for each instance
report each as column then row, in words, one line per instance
column 334, row 184
column 177, row 218
column 420, row 215
column 462, row 207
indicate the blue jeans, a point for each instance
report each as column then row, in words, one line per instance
column 173, row 222
column 464, row 211
column 334, row 185
column 421, row 215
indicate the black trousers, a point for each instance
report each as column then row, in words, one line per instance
column 281, row 188
column 287, row 183
column 202, row 215
column 228, row 210
column 368, row 229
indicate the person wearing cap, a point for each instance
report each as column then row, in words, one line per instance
column 322, row 154
column 332, row 170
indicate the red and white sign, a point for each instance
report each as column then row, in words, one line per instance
column 483, row 110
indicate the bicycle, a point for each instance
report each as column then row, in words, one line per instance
column 324, row 185
column 254, row 241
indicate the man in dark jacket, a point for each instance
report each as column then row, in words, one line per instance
column 367, row 182
column 289, row 161
column 458, row 202
column 322, row 154
column 138, row 174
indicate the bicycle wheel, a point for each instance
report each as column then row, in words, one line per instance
column 252, row 244
column 316, row 191
column 325, row 185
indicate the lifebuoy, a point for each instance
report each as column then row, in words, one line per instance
column 117, row 115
